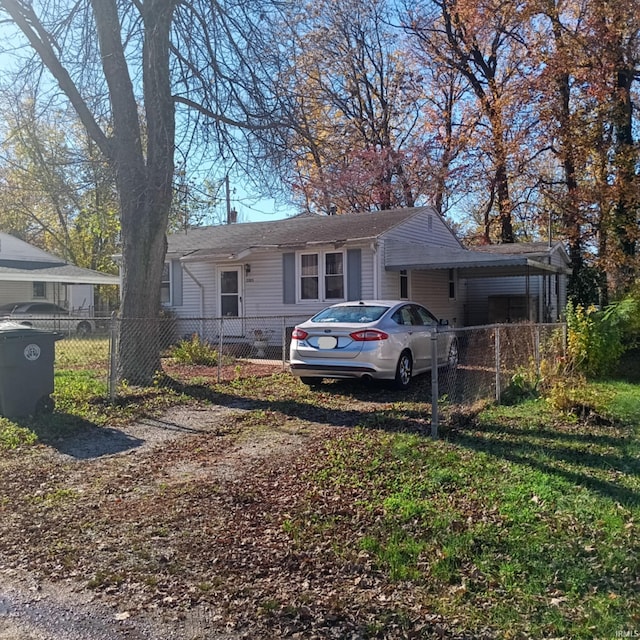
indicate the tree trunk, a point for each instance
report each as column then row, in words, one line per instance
column 626, row 206
column 144, row 179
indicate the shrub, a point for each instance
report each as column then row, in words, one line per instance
column 596, row 339
column 195, row 351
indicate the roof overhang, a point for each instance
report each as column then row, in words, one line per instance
column 470, row 264
column 62, row 273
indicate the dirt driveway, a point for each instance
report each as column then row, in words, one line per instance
column 34, row 608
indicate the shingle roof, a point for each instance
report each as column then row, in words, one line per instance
column 290, row 232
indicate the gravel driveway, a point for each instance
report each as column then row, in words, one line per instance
column 37, row 610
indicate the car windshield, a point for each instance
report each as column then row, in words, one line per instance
column 356, row 314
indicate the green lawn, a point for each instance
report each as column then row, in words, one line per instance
column 519, row 522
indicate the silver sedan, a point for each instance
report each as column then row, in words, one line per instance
column 370, row 339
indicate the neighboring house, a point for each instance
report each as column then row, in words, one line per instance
column 30, row 274
column 297, row 266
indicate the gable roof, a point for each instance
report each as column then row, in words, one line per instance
column 299, row 231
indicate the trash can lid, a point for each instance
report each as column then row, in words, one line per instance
column 11, row 329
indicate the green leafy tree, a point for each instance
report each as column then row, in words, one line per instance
column 56, row 189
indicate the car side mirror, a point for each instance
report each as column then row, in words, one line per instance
column 443, row 322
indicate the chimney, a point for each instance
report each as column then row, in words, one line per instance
column 232, row 216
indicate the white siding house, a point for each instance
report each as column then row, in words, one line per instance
column 297, row 266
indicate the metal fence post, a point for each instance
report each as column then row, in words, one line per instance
column 113, row 358
column 283, row 328
column 537, row 349
column 220, row 343
column 497, row 345
column 434, row 385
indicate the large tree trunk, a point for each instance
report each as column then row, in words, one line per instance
column 626, row 206
column 144, row 179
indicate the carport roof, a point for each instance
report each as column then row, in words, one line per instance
column 470, row 264
column 63, row 272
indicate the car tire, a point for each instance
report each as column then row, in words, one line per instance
column 404, row 371
column 83, row 328
column 454, row 356
column 310, row 381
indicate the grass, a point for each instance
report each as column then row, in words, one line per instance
column 526, row 523
column 521, row 523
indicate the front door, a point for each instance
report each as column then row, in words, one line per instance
column 230, row 298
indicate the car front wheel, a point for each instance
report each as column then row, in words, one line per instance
column 404, row 371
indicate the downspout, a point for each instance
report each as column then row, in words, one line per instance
column 376, row 268
column 201, row 287
column 527, row 293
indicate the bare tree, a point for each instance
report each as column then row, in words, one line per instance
column 354, row 139
column 152, row 57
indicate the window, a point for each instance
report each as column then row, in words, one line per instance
column 39, row 290
column 165, row 286
column 404, row 285
column 334, row 276
column 322, row 276
column 309, row 277
column 452, row 284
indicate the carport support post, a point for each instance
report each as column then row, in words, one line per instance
column 434, row 385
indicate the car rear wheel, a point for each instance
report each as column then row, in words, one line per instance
column 404, row 371
column 310, row 381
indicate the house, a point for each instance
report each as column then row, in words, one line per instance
column 297, row 266
column 28, row 273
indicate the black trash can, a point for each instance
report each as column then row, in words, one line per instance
column 26, row 370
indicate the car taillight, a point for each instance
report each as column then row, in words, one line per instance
column 368, row 335
column 299, row 334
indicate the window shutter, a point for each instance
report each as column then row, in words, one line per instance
column 354, row 274
column 176, row 283
column 289, row 278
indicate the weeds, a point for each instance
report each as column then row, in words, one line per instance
column 13, row 436
column 195, row 351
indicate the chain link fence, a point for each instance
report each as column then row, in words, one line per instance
column 489, row 357
column 495, row 359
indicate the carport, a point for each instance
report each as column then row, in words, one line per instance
column 58, row 273
column 497, row 266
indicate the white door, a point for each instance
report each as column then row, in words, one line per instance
column 230, row 299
